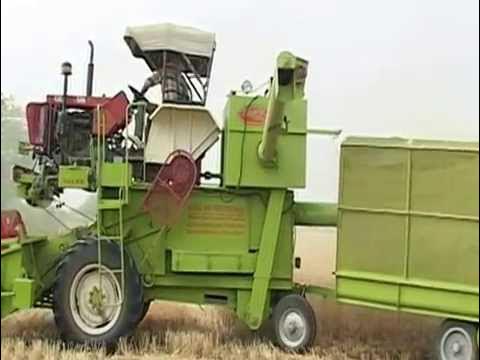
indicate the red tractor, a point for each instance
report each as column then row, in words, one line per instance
column 61, row 130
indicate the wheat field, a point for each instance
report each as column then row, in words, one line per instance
column 177, row 331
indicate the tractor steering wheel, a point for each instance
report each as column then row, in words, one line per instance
column 139, row 97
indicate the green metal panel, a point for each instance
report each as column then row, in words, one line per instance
column 11, row 270
column 11, row 266
column 194, row 295
column 324, row 292
column 243, row 299
column 221, row 281
column 241, row 165
column 115, row 174
column 434, row 242
column 397, row 293
column 223, row 237
column 408, row 226
column 185, row 261
column 214, row 222
column 28, row 269
column 24, row 293
column 41, row 256
column 218, row 229
column 379, row 180
column 17, row 290
column 74, row 177
column 371, row 243
column 218, row 240
column 434, row 172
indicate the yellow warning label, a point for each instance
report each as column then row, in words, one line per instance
column 216, row 219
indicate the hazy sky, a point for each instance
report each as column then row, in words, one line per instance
column 377, row 67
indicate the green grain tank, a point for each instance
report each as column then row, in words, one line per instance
column 408, row 235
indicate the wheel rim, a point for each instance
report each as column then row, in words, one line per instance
column 293, row 328
column 456, row 345
column 95, row 310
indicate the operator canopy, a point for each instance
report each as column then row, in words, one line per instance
column 182, row 39
column 181, row 58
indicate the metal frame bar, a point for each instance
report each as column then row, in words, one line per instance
column 209, row 72
column 123, row 198
column 410, row 213
column 413, row 147
column 202, row 100
column 407, row 310
column 399, row 281
column 192, row 68
column 266, row 258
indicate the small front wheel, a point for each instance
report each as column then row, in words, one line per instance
column 457, row 341
column 294, row 322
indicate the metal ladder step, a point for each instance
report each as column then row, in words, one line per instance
column 115, row 271
column 115, row 204
column 107, row 204
column 109, row 237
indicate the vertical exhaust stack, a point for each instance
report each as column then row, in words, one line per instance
column 66, row 72
column 90, row 70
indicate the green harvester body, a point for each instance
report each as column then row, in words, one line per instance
column 407, row 220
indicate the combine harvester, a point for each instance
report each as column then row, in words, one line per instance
column 407, row 216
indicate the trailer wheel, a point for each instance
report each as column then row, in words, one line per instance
column 294, row 323
column 457, row 341
column 93, row 312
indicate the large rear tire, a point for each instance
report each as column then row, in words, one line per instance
column 294, row 324
column 93, row 312
column 457, row 341
column 146, row 307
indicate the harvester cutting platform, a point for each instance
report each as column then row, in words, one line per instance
column 407, row 216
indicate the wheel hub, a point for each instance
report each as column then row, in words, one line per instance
column 95, row 299
column 457, row 348
column 293, row 328
column 456, row 344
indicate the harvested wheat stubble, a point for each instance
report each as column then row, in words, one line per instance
column 186, row 332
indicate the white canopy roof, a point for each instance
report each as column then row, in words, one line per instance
column 167, row 36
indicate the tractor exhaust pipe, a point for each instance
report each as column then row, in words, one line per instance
column 66, row 72
column 90, row 70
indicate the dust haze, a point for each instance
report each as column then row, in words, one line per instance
column 390, row 68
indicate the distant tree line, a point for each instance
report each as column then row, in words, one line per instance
column 9, row 108
column 13, row 131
